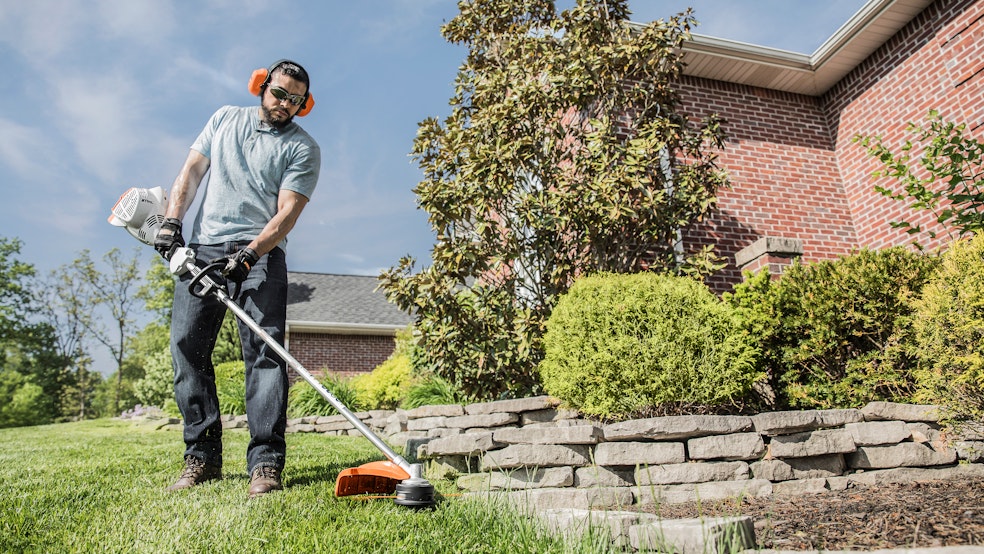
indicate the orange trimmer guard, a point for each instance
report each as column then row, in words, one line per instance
column 371, row 478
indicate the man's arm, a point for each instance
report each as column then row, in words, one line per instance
column 186, row 184
column 289, row 207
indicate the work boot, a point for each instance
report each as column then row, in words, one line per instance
column 196, row 472
column 263, row 480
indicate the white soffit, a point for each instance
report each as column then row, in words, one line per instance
column 759, row 66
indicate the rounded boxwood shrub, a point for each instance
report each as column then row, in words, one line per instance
column 949, row 331
column 619, row 344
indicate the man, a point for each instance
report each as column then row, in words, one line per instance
column 263, row 169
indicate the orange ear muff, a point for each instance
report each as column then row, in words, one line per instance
column 306, row 106
column 259, row 78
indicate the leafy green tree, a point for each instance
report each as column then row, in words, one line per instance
column 63, row 304
column 31, row 366
column 565, row 153
column 941, row 171
column 116, row 292
column 15, row 296
column 19, row 400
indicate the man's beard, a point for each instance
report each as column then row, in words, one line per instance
column 267, row 116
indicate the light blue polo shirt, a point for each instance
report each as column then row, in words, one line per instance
column 250, row 162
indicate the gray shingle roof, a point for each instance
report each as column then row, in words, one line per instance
column 340, row 299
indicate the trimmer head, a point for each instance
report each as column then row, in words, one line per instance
column 412, row 491
column 415, row 492
column 371, row 478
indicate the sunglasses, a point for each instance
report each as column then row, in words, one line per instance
column 281, row 94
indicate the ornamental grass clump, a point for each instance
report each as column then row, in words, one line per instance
column 620, row 344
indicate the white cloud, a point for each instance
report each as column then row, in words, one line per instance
column 19, row 147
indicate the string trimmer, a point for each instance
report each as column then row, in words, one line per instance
column 141, row 212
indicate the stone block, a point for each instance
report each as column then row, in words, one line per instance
column 600, row 476
column 519, row 479
column 536, row 455
column 882, row 411
column 812, row 443
column 906, row 454
column 839, row 418
column 549, row 415
column 536, row 500
column 786, row 422
column 639, row 453
column 513, row 406
column 581, row 434
column 701, row 472
column 425, row 423
column 972, row 451
column 736, row 446
column 468, row 444
column 497, row 419
column 813, row 467
column 575, row 523
column 676, row 427
column 875, row 433
column 800, row 486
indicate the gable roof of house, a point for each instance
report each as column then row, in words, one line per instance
column 342, row 304
column 814, row 74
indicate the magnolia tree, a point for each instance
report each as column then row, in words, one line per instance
column 565, row 153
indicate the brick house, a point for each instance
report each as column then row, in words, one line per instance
column 800, row 186
column 340, row 323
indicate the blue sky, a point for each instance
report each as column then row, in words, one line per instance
column 103, row 95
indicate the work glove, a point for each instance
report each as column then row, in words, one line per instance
column 169, row 238
column 237, row 267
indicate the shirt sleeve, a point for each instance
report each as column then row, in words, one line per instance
column 203, row 144
column 302, row 173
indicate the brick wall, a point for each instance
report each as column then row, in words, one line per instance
column 933, row 63
column 344, row 355
column 795, row 172
column 784, row 181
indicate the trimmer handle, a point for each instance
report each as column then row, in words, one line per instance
column 183, row 261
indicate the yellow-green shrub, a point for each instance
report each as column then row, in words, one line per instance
column 386, row 385
column 230, row 387
column 949, row 330
column 616, row 344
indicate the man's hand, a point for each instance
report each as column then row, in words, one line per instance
column 237, row 267
column 169, row 238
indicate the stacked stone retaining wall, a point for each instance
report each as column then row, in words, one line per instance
column 542, row 455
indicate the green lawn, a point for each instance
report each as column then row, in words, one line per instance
column 98, row 486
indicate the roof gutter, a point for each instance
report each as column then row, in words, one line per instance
column 336, row 328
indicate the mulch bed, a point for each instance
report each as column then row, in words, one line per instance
column 861, row 517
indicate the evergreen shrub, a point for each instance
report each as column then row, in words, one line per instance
column 949, row 333
column 835, row 332
column 619, row 344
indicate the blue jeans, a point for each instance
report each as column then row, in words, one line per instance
column 195, row 324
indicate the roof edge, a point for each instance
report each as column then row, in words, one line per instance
column 337, row 328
